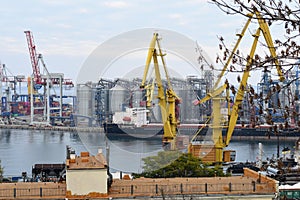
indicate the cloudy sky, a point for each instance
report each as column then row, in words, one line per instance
column 67, row 31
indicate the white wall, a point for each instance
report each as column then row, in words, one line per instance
column 82, row 182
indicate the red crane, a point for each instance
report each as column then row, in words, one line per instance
column 33, row 58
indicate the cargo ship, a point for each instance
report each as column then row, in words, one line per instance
column 240, row 132
column 147, row 130
column 133, row 123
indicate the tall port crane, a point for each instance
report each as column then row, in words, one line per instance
column 47, row 80
column 167, row 97
column 215, row 152
column 34, row 60
column 11, row 82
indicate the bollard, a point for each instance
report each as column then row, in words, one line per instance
column 230, row 187
column 181, row 188
column 206, row 188
column 15, row 192
column 156, row 189
column 41, row 192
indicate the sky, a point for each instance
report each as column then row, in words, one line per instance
column 66, row 32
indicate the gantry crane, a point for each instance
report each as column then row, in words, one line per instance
column 11, row 86
column 37, row 80
column 34, row 61
column 215, row 152
column 168, row 99
column 35, row 58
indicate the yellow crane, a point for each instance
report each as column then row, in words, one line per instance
column 214, row 152
column 167, row 97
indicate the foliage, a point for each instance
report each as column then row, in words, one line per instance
column 1, row 172
column 162, row 159
column 184, row 166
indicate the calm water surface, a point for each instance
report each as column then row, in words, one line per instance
column 21, row 149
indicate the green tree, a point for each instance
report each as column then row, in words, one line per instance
column 162, row 159
column 1, row 172
column 184, row 166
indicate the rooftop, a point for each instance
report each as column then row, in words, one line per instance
column 85, row 161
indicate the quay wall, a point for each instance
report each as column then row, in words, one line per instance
column 53, row 128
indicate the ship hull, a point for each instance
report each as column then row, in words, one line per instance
column 239, row 133
column 264, row 133
column 113, row 131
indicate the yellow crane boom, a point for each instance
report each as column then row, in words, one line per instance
column 264, row 28
column 268, row 38
column 240, row 94
column 167, row 97
column 217, row 153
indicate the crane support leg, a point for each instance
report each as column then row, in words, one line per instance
column 217, row 128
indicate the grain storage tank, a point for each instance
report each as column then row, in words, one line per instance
column 85, row 99
column 118, row 98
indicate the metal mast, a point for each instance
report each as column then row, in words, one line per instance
column 33, row 57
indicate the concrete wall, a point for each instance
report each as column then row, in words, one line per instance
column 84, row 182
column 271, row 183
column 234, row 185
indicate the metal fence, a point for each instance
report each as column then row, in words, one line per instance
column 32, row 192
column 201, row 188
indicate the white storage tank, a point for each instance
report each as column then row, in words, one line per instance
column 85, row 100
column 118, row 98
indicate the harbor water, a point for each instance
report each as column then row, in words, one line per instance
column 21, row 149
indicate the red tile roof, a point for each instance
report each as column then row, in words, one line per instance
column 87, row 162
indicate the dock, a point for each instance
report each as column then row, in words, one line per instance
column 52, row 128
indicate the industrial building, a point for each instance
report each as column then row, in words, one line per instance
column 99, row 101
